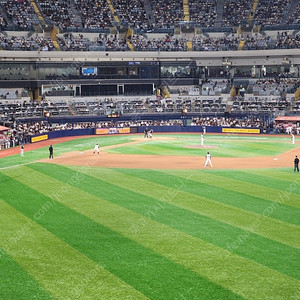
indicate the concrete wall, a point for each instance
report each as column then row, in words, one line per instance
column 238, row 58
column 156, row 129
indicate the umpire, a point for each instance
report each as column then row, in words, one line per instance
column 50, row 152
column 296, row 164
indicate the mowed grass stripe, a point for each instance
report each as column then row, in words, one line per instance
column 216, row 264
column 263, row 147
column 61, row 270
column 228, row 147
column 278, row 185
column 286, row 175
column 267, row 252
column 155, row 184
column 225, row 180
column 241, row 148
column 142, row 149
column 275, row 192
column 150, row 273
column 160, row 148
column 16, row 283
column 232, row 192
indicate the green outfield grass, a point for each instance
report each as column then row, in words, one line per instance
column 224, row 145
column 71, row 232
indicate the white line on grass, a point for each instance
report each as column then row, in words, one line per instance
column 20, row 165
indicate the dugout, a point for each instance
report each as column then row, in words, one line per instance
column 288, row 121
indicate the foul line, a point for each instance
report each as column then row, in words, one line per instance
column 20, row 165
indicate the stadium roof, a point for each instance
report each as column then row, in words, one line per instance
column 290, row 118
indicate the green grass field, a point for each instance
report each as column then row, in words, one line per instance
column 72, row 232
column 226, row 146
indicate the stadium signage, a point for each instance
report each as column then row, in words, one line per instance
column 240, row 130
column 39, row 138
column 112, row 130
column 89, row 71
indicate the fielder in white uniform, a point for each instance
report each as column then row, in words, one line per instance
column 22, row 150
column 208, row 160
column 96, row 149
column 293, row 138
column 150, row 132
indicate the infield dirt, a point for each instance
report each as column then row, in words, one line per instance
column 132, row 161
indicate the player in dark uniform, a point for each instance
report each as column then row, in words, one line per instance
column 50, row 152
column 296, row 164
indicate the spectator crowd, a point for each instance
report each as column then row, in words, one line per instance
column 21, row 132
column 109, row 42
column 145, row 16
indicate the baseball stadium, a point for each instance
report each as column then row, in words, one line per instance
column 149, row 149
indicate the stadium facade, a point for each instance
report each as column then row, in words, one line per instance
column 127, row 73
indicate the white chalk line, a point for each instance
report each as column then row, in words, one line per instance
column 20, row 165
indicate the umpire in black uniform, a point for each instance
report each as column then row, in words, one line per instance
column 50, row 152
column 296, row 164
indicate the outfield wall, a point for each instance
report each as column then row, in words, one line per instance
column 127, row 130
column 62, row 133
column 209, row 129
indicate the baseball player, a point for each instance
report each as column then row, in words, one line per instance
column 150, row 132
column 208, row 160
column 296, row 164
column 202, row 139
column 96, row 149
column 146, row 131
column 51, row 152
column 22, row 150
column 293, row 138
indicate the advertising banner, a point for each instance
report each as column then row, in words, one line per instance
column 112, row 130
column 39, row 138
column 240, row 130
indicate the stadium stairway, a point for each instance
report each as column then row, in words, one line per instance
column 219, row 11
column 5, row 34
column 38, row 12
column 228, row 107
column 297, row 94
column 291, row 7
column 165, row 92
column 75, row 13
column 186, row 10
column 72, row 110
column 149, row 11
column 189, row 45
column 252, row 12
column 129, row 34
column 241, row 45
column 233, row 92
column 3, row 13
column 53, row 36
column 111, row 7
column 257, row 29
